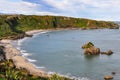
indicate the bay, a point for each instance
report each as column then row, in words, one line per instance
column 60, row 52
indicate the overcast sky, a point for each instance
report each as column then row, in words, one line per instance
column 93, row 9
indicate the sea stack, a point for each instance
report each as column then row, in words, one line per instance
column 90, row 49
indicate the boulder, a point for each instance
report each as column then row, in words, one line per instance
column 108, row 77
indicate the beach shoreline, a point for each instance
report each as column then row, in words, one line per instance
column 11, row 52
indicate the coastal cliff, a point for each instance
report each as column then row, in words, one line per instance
column 14, row 26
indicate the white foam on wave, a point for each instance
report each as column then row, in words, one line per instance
column 31, row 60
column 39, row 67
column 23, row 51
column 26, row 54
column 69, row 76
column 43, row 32
column 21, row 40
column 18, row 48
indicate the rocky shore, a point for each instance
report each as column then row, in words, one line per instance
column 19, row 61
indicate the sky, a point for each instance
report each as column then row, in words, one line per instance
column 92, row 9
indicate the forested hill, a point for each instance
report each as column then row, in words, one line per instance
column 11, row 25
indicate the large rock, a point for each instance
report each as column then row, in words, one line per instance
column 108, row 77
column 90, row 49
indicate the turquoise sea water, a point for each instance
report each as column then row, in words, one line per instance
column 60, row 51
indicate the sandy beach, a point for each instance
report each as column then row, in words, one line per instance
column 34, row 32
column 19, row 61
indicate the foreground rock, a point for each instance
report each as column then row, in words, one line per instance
column 108, row 78
column 90, row 49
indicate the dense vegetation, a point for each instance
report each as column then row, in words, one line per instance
column 8, row 71
column 11, row 25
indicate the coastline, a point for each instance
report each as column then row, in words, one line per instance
column 13, row 53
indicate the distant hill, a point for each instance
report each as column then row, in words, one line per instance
column 11, row 25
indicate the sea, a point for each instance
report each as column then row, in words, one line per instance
column 59, row 51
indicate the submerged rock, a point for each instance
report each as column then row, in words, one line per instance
column 113, row 73
column 109, row 52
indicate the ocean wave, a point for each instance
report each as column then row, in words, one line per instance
column 18, row 48
column 26, row 54
column 31, row 60
column 43, row 32
column 23, row 51
column 39, row 67
column 20, row 41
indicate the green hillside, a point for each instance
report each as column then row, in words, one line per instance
column 11, row 25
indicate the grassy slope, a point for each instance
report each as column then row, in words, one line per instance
column 16, row 24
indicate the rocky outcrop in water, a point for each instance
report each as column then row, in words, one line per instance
column 90, row 49
column 109, row 52
column 108, row 78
